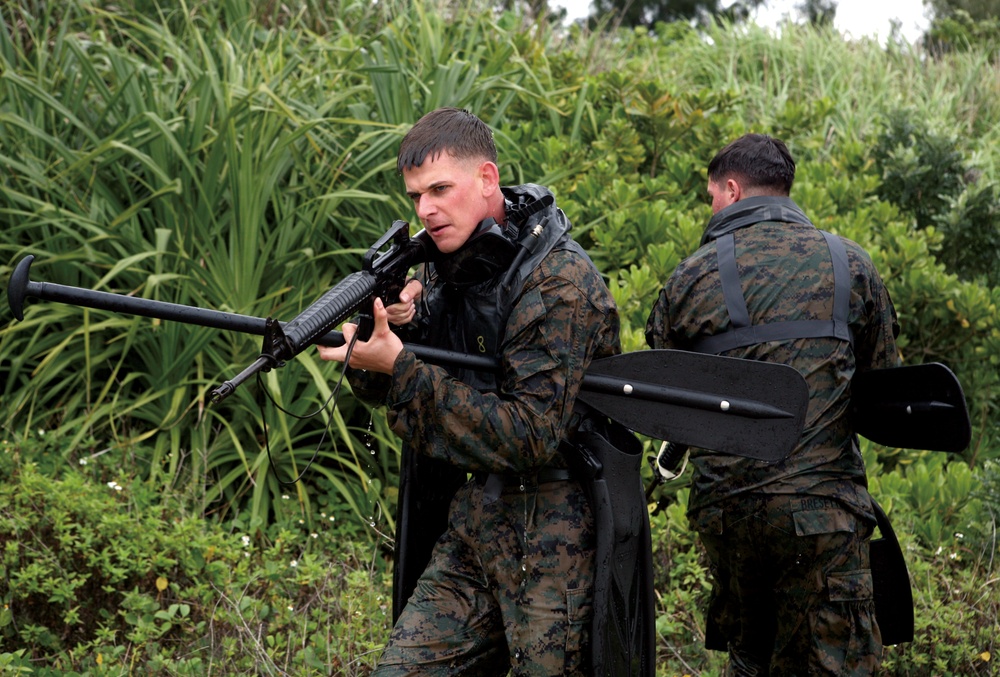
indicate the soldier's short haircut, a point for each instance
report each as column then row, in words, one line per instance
column 452, row 130
column 757, row 161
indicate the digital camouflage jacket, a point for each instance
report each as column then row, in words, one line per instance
column 786, row 273
column 544, row 330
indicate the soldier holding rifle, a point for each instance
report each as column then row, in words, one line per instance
column 509, row 582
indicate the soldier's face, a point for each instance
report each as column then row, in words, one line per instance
column 451, row 197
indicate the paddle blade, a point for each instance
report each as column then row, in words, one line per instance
column 734, row 406
column 920, row 406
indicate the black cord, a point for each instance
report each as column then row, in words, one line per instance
column 323, row 407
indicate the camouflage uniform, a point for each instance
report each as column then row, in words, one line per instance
column 787, row 542
column 509, row 582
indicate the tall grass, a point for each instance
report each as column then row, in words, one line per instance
column 770, row 70
column 195, row 155
column 214, row 178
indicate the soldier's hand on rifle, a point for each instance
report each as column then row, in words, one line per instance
column 377, row 354
column 403, row 311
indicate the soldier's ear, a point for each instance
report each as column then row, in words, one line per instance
column 489, row 174
column 733, row 191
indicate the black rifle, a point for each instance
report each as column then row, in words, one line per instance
column 382, row 276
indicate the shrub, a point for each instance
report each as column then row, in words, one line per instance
column 925, row 174
column 108, row 576
column 960, row 32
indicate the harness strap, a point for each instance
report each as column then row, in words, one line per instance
column 742, row 333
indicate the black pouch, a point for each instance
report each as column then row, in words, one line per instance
column 893, row 596
column 606, row 458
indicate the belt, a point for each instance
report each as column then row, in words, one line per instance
column 495, row 483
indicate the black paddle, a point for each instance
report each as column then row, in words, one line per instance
column 919, row 406
column 740, row 407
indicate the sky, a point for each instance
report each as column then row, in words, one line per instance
column 854, row 18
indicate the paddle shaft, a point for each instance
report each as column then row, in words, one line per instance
column 648, row 401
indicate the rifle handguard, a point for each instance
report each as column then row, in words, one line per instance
column 332, row 308
column 381, row 271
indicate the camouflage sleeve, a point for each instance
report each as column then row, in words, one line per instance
column 369, row 387
column 658, row 324
column 685, row 283
column 563, row 319
column 875, row 340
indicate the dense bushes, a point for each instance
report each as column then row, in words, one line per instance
column 103, row 576
column 959, row 31
column 926, row 175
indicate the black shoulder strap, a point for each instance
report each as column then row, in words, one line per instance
column 742, row 333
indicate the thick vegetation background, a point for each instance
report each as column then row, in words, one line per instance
column 240, row 157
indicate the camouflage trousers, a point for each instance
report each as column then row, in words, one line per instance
column 793, row 587
column 509, row 587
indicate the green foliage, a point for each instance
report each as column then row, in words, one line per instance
column 818, row 12
column 107, row 578
column 682, row 583
column 971, row 228
column 926, row 175
column 945, row 515
column 649, row 13
column 963, row 25
column 937, row 493
column 977, row 9
column 920, row 169
column 955, row 619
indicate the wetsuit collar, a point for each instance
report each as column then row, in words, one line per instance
column 751, row 210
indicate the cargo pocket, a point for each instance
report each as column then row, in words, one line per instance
column 844, row 636
column 851, row 586
column 817, row 522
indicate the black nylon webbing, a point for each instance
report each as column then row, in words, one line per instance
column 743, row 334
column 732, row 290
